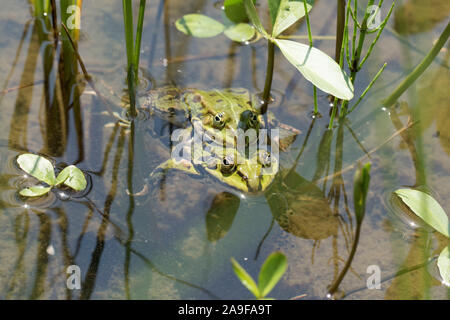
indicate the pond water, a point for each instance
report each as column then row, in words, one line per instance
column 176, row 240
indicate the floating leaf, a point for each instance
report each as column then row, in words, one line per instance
column 72, row 177
column 427, row 208
column 443, row 264
column 199, row 25
column 289, row 13
column 254, row 18
column 38, row 167
column 240, row 32
column 35, row 191
column 271, row 272
column 245, row 278
column 235, row 10
column 318, row 68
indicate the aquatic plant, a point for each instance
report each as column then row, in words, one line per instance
column 361, row 183
column 353, row 50
column 428, row 209
column 271, row 272
column 316, row 66
column 133, row 49
column 43, row 170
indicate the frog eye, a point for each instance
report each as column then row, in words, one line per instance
column 227, row 165
column 219, row 120
column 250, row 119
column 264, row 158
column 253, row 119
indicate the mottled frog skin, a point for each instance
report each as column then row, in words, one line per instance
column 225, row 110
column 219, row 114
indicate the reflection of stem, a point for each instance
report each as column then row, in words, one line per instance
column 152, row 267
column 130, row 211
column 352, row 166
column 91, row 274
column 14, row 63
column 68, row 259
column 45, row 232
column 21, row 235
column 86, row 74
column 338, row 281
column 264, row 238
column 409, row 141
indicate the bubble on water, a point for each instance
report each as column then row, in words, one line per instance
column 51, row 250
column 63, row 195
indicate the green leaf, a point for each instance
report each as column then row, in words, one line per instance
column 271, row 272
column 254, row 18
column 35, row 191
column 72, row 177
column 318, row 68
column 240, row 32
column 38, row 167
column 427, row 208
column 360, row 188
column 288, row 13
column 235, row 10
column 245, row 278
column 443, row 264
column 273, row 9
column 199, row 25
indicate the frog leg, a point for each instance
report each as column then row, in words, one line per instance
column 287, row 133
column 159, row 172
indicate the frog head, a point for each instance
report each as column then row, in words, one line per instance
column 248, row 174
column 225, row 111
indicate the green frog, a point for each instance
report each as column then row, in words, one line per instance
column 220, row 116
column 225, row 111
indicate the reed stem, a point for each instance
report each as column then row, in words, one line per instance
column 269, row 75
column 409, row 80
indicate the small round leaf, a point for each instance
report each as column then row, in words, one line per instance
column 38, row 167
column 72, row 177
column 199, row 25
column 240, row 32
column 35, row 191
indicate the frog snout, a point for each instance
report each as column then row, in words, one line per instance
column 253, row 184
